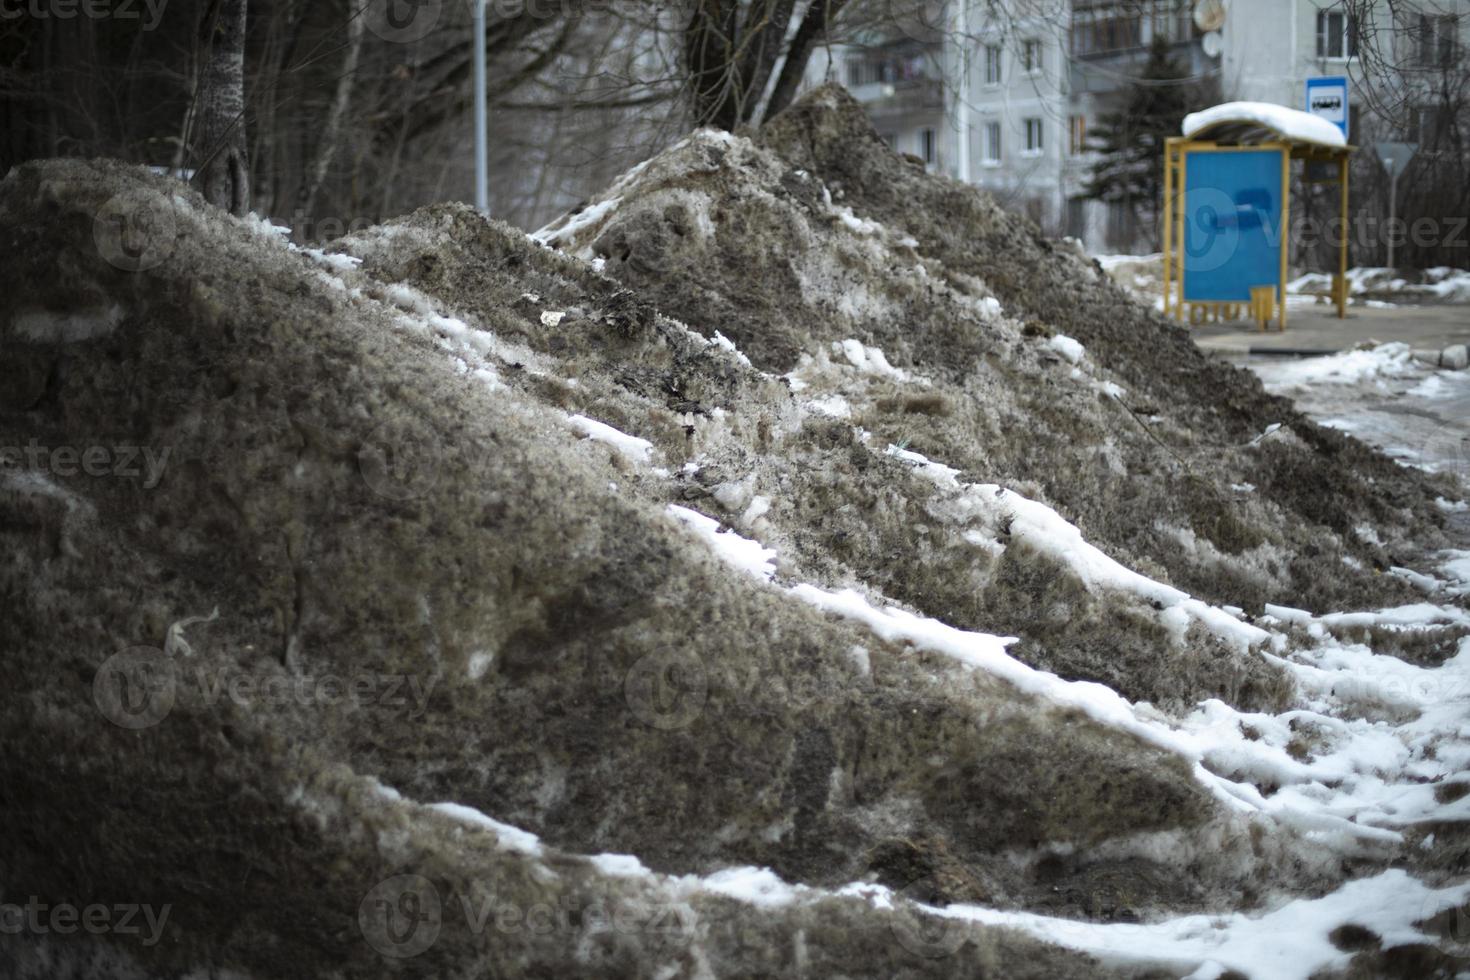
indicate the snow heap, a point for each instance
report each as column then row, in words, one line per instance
column 835, row 567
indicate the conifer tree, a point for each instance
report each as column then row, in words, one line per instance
column 1131, row 141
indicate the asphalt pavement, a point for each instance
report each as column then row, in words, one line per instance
column 1316, row 328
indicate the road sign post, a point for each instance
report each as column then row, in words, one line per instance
column 1394, row 157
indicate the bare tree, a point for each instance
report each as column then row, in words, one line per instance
column 327, row 146
column 223, row 171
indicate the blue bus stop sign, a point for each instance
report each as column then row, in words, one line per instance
column 1233, row 232
column 1328, row 98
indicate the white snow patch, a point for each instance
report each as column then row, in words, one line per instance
column 1067, row 347
column 722, row 341
column 567, row 226
column 1289, row 942
column 861, row 226
column 510, row 838
column 619, row 865
column 742, row 553
column 834, row 405
column 336, row 261
column 479, row 662
column 761, row 887
column 869, row 360
column 631, row 448
column 1390, row 360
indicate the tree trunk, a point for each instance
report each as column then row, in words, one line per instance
column 224, row 171
column 814, row 26
column 316, row 171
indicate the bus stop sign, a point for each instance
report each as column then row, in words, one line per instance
column 1328, row 98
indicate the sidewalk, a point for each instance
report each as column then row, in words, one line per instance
column 1316, row 329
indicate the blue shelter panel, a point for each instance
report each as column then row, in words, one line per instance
column 1232, row 223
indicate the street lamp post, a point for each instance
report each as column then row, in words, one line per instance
column 482, row 167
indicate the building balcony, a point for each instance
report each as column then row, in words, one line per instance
column 895, row 98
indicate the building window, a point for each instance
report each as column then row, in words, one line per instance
column 992, row 64
column 1031, row 56
column 992, row 143
column 1106, row 28
column 1424, row 125
column 1077, row 135
column 1337, row 35
column 926, row 145
column 1033, row 136
column 1437, row 37
column 854, row 72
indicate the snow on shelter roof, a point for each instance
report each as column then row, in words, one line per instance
column 1251, row 121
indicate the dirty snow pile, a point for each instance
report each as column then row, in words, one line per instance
column 789, row 564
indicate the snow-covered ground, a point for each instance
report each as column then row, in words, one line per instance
column 1142, row 275
column 1417, row 414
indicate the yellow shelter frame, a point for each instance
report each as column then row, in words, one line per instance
column 1176, row 152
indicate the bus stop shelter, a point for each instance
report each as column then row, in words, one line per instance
column 1227, row 209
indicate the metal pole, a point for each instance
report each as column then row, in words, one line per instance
column 1342, row 241
column 1285, row 230
column 1393, row 202
column 962, row 152
column 482, row 167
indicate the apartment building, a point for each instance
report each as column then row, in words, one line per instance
column 1003, row 93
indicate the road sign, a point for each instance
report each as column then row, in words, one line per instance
column 1395, row 156
column 1328, row 97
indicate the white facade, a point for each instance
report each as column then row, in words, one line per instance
column 1031, row 77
